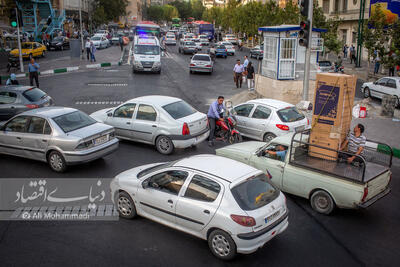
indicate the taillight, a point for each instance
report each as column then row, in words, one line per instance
column 31, row 106
column 208, row 66
column 192, row 65
column 283, row 127
column 185, row 129
column 365, row 194
column 243, row 220
column 308, row 122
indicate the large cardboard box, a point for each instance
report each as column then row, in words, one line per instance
column 333, row 104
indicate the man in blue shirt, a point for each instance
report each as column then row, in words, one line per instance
column 33, row 69
column 213, row 115
column 280, row 153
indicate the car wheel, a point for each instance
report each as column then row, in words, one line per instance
column 367, row 93
column 322, row 202
column 164, row 145
column 191, row 72
column 268, row 137
column 56, row 162
column 225, row 56
column 126, row 206
column 235, row 138
column 222, row 245
column 62, row 48
column 397, row 104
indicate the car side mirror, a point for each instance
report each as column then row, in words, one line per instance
column 228, row 104
column 109, row 114
column 145, row 184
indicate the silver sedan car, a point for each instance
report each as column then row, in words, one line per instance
column 57, row 135
column 201, row 63
column 163, row 121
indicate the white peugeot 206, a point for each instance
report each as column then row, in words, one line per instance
column 234, row 207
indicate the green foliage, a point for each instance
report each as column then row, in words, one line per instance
column 184, row 8
column 169, row 12
column 155, row 13
column 99, row 16
column 197, row 8
column 213, row 14
column 106, row 10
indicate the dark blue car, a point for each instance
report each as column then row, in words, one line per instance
column 221, row 51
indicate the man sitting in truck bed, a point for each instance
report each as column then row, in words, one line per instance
column 355, row 143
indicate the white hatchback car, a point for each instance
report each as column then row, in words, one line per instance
column 163, row 121
column 170, row 39
column 383, row 86
column 235, row 208
column 265, row 119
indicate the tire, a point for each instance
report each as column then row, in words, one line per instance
column 268, row 137
column 126, row 206
column 56, row 162
column 322, row 202
column 159, row 72
column 225, row 56
column 222, row 245
column 191, row 72
column 397, row 102
column 367, row 92
column 236, row 138
column 164, row 145
column 62, row 48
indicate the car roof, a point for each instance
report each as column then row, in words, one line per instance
column 225, row 168
column 392, row 77
column 16, row 88
column 201, row 55
column 284, row 139
column 159, row 100
column 49, row 112
column 271, row 102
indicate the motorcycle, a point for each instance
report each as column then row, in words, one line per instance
column 338, row 69
column 225, row 130
column 13, row 62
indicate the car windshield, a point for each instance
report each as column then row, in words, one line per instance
column 96, row 38
column 147, row 50
column 201, row 58
column 255, row 193
column 290, row 114
column 324, row 63
column 58, row 39
column 26, row 46
column 155, row 168
column 179, row 109
column 170, row 36
column 189, row 43
column 73, row 121
column 34, row 94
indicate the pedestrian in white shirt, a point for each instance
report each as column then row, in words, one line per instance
column 87, row 46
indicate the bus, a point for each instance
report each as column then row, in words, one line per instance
column 147, row 28
column 176, row 22
column 203, row 27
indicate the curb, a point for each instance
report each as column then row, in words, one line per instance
column 68, row 69
column 385, row 149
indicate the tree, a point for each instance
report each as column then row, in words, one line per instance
column 155, row 13
column 99, row 16
column 112, row 9
column 184, row 8
column 169, row 12
column 213, row 14
column 197, row 9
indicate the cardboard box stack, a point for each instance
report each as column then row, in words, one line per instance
column 333, row 104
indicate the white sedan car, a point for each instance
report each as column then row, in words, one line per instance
column 231, row 38
column 163, row 121
column 230, row 204
column 383, row 86
column 170, row 39
column 265, row 119
column 229, row 47
column 100, row 41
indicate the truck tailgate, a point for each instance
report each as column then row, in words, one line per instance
column 377, row 188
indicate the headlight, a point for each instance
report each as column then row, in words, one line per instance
column 137, row 63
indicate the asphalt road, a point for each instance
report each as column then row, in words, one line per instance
column 346, row 238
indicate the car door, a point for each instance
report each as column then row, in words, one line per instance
column 37, row 138
column 122, row 121
column 242, row 113
column 390, row 87
column 7, row 105
column 378, row 88
column 270, row 165
column 159, row 195
column 11, row 136
column 259, row 122
column 145, row 124
column 198, row 204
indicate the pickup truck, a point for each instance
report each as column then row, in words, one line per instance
column 326, row 183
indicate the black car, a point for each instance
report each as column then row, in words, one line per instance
column 16, row 99
column 59, row 43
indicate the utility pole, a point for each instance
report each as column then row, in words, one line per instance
column 21, row 63
column 80, row 21
column 305, row 39
column 360, row 33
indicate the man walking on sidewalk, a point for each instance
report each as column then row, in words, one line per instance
column 87, row 46
column 92, row 52
column 121, row 43
column 352, row 54
column 33, row 69
column 377, row 63
column 237, row 72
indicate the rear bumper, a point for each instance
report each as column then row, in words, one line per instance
column 152, row 69
column 78, row 157
column 189, row 50
column 375, row 198
column 182, row 142
column 201, row 69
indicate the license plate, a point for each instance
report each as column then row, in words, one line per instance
column 299, row 128
column 100, row 140
column 147, row 69
column 272, row 217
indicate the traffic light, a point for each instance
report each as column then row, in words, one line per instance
column 13, row 17
column 304, row 33
column 304, row 4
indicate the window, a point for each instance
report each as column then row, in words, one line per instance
column 261, row 113
column 391, row 83
column 344, row 36
column 169, row 181
column 146, row 113
column 290, row 114
column 244, row 110
column 125, row 111
column 18, row 124
column 344, row 6
column 36, row 125
column 325, row 6
column 34, row 94
column 382, row 81
column 179, row 109
column 201, row 188
column 147, row 50
column 337, row 5
column 201, row 58
column 7, row 97
column 270, row 48
column 73, row 121
column 254, row 193
column 47, row 128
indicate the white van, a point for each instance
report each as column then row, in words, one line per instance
column 146, row 54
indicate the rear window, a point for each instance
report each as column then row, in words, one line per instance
column 254, row 193
column 290, row 114
column 201, row 58
column 179, row 109
column 73, row 121
column 325, row 63
column 34, row 94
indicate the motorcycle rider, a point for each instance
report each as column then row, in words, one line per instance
column 338, row 64
column 212, row 52
column 12, row 80
column 213, row 115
